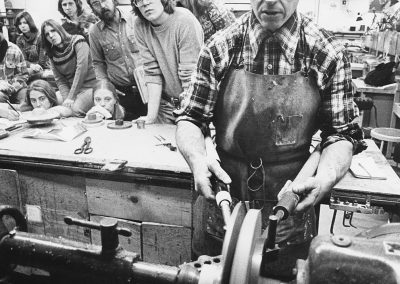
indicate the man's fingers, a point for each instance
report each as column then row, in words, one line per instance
column 216, row 169
column 305, row 186
column 284, row 189
column 308, row 201
column 203, row 187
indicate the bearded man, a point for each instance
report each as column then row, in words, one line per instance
column 115, row 53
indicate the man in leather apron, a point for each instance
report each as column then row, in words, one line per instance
column 268, row 83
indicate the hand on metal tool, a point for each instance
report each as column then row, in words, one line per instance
column 202, row 178
column 308, row 190
column 85, row 148
column 147, row 119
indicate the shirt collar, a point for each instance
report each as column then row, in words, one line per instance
column 124, row 16
column 287, row 35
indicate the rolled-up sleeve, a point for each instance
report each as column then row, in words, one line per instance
column 338, row 108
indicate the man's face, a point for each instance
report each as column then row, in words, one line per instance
column 152, row 10
column 104, row 9
column 69, row 8
column 272, row 14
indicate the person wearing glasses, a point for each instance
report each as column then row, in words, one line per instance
column 115, row 54
column 169, row 40
column 268, row 83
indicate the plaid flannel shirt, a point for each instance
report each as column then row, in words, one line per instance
column 278, row 53
column 13, row 68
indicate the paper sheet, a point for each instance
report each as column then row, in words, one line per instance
column 365, row 167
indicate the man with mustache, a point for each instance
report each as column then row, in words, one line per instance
column 115, row 54
column 169, row 40
column 268, row 83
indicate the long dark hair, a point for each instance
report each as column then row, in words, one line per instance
column 78, row 4
column 43, row 87
column 28, row 18
column 169, row 8
column 65, row 37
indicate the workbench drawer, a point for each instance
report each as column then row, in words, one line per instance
column 166, row 244
column 139, row 201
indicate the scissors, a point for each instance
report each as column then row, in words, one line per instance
column 85, row 148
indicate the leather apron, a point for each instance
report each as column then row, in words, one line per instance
column 264, row 125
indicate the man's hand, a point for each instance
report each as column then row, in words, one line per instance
column 68, row 103
column 147, row 119
column 202, row 178
column 308, row 190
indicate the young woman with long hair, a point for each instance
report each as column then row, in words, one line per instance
column 72, row 66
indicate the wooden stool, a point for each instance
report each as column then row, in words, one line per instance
column 386, row 135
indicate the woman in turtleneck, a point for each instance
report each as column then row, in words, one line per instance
column 29, row 42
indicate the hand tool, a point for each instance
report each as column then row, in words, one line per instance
column 85, row 148
column 164, row 142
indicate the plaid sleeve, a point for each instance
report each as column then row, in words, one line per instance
column 338, row 107
column 198, row 100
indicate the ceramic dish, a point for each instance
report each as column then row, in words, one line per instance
column 45, row 117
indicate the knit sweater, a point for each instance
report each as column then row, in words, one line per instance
column 32, row 49
column 170, row 51
column 72, row 67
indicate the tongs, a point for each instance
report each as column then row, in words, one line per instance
column 164, row 142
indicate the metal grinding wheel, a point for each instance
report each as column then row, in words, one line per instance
column 245, row 247
column 230, row 240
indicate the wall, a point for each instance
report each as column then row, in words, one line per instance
column 336, row 16
column 40, row 10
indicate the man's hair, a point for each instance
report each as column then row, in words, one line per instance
column 28, row 18
column 87, row 18
column 43, row 87
column 78, row 4
column 169, row 8
column 48, row 46
column 116, row 3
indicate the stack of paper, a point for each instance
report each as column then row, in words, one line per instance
column 365, row 167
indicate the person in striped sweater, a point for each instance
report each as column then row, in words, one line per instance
column 71, row 63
